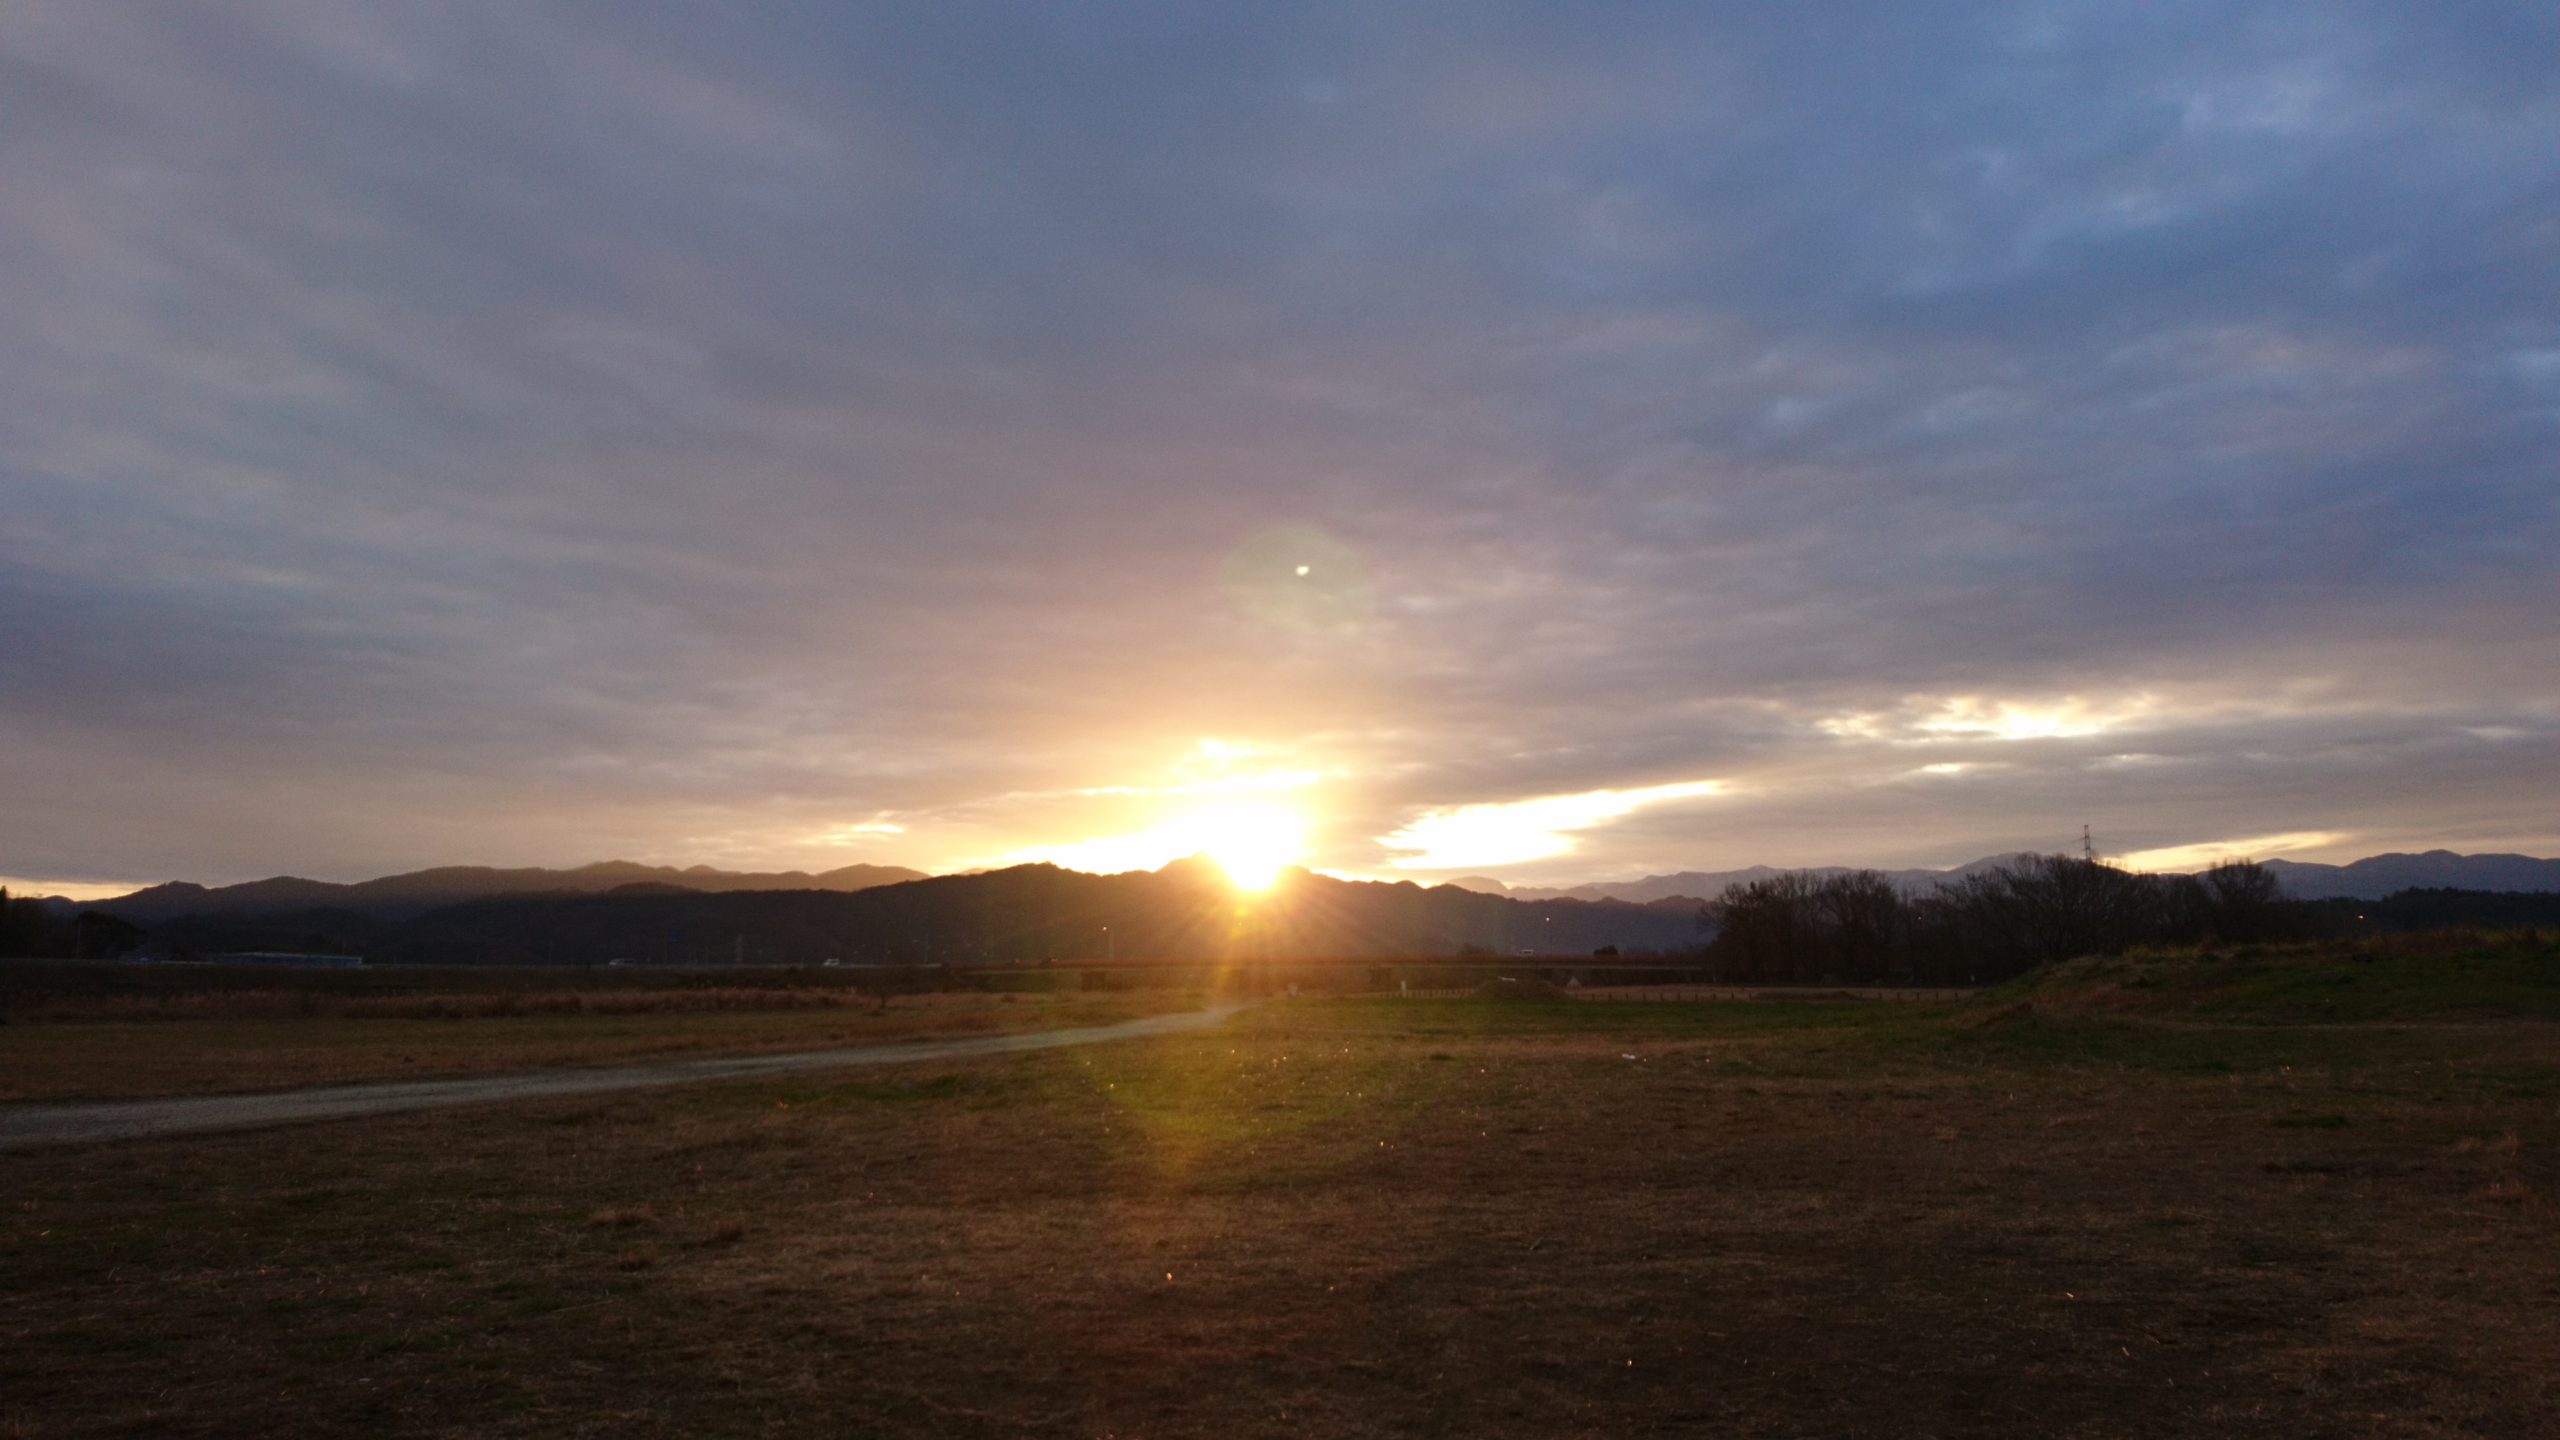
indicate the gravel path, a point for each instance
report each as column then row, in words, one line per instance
column 23, row 1126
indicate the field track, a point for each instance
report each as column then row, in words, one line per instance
column 24, row 1126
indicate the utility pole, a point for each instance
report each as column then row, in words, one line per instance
column 2088, row 851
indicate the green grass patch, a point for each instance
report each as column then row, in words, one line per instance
column 2441, row 977
column 1481, row 1017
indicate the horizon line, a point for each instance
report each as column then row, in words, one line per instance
column 91, row 892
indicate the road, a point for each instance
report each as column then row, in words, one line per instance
column 25, row 1126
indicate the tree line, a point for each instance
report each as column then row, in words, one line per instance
column 25, row 927
column 41, row 929
column 1985, row 926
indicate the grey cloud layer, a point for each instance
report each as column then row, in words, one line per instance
column 523, row 432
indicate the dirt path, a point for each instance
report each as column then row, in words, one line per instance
column 22, row 1126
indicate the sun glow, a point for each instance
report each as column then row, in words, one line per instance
column 1252, row 842
column 2197, row 857
column 79, row 890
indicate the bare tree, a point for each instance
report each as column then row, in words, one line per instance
column 1767, row 929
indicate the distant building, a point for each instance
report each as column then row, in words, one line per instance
column 97, row 935
column 289, row 957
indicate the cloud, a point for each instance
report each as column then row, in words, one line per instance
column 857, row 833
column 477, row 432
column 1921, row 720
column 1518, row 831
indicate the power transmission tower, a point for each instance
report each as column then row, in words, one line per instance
column 2088, row 851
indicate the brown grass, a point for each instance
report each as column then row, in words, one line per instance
column 454, row 1005
column 1352, row 1219
column 459, row 1003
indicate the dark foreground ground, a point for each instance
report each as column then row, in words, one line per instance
column 2305, row 1195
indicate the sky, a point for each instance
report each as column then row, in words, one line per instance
column 1555, row 442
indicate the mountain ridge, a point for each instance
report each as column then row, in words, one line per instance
column 417, row 891
column 1023, row 914
column 2374, row 877
column 1706, row 885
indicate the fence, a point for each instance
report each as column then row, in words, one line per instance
column 1638, row 994
column 1634, row 993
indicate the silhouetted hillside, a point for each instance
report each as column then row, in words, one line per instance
column 2437, row 909
column 2368, row 879
column 400, row 896
column 1705, row 885
column 1030, row 913
column 2376, row 876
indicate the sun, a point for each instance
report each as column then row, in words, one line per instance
column 1252, row 843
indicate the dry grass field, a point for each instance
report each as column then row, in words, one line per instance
column 325, row 1028
column 2286, row 1195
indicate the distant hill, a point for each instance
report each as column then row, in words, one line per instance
column 401, row 896
column 2368, row 879
column 2378, row 876
column 463, row 911
column 1705, row 885
column 1025, row 914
